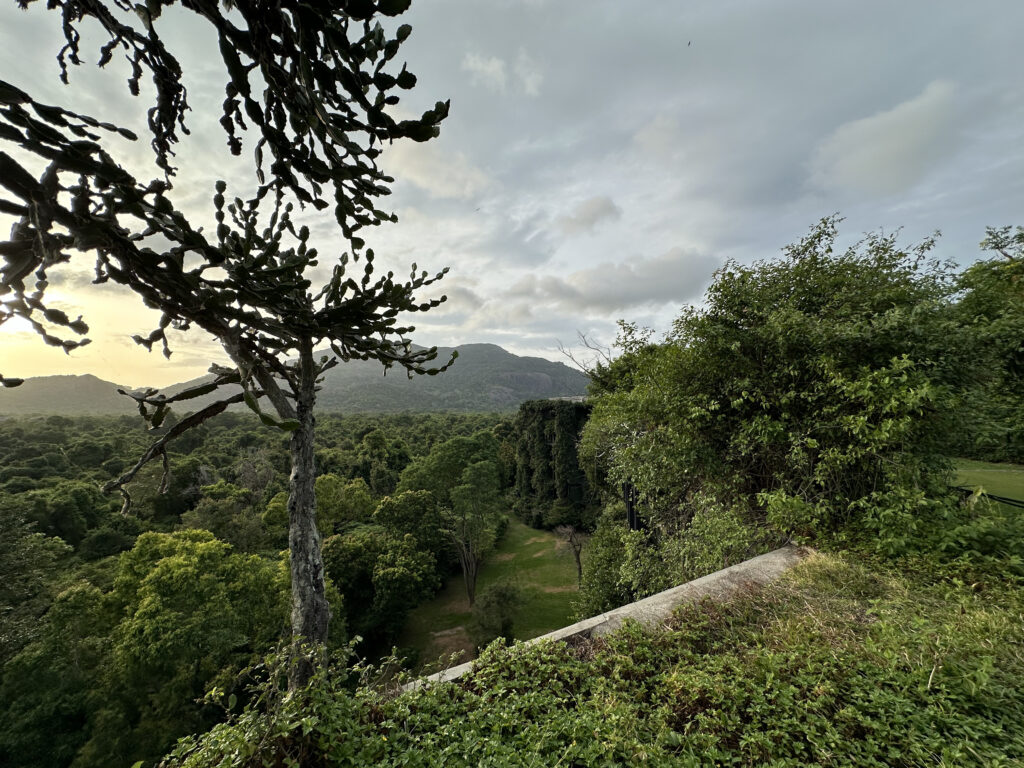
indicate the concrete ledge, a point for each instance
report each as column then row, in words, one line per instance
column 657, row 609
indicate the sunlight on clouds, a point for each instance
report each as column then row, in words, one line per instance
column 113, row 315
column 442, row 174
column 889, row 152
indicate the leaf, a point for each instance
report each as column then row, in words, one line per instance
column 202, row 389
column 405, row 79
column 393, row 7
column 250, row 400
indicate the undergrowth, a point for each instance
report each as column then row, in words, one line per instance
column 842, row 662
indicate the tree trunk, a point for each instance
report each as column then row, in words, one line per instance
column 310, row 611
column 470, row 565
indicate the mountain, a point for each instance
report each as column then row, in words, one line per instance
column 64, row 395
column 484, row 378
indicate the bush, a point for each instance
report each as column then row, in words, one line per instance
column 816, row 390
column 493, row 613
column 603, row 557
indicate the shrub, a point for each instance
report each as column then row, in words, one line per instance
column 493, row 613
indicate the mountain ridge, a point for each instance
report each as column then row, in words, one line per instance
column 485, row 377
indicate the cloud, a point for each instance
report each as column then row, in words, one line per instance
column 485, row 70
column 891, row 151
column 588, row 215
column 659, row 138
column 529, row 73
column 460, row 300
column 442, row 174
column 492, row 72
column 675, row 277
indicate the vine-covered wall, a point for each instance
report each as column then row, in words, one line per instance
column 549, row 487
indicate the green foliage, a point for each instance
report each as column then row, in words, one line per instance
column 416, row 514
column 381, row 575
column 26, row 560
column 816, row 389
column 441, row 470
column 839, row 664
column 620, row 566
column 225, row 511
column 991, row 305
column 116, row 671
column 603, row 558
column 549, row 486
column 340, row 503
column 494, row 613
column 275, row 519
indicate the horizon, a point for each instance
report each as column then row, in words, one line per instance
column 599, row 162
column 177, row 382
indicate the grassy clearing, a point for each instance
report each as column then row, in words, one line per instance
column 536, row 561
column 1000, row 479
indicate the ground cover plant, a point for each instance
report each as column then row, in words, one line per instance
column 848, row 660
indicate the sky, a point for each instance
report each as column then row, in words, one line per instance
column 602, row 159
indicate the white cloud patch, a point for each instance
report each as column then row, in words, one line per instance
column 530, row 75
column 488, row 71
column 442, row 174
column 588, row 214
column 891, row 151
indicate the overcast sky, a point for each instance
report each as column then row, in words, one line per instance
column 603, row 158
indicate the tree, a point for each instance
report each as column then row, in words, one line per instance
column 991, row 307
column 494, row 613
column 574, row 539
column 440, row 470
column 818, row 388
column 381, row 576
column 416, row 514
column 549, row 485
column 471, row 521
column 25, row 559
column 340, row 503
column 320, row 110
column 117, row 675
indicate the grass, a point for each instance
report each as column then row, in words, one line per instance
column 537, row 561
column 1001, row 479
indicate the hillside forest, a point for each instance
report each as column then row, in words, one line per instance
column 817, row 398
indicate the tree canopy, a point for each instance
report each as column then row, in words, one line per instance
column 316, row 84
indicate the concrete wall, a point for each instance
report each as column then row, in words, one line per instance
column 656, row 609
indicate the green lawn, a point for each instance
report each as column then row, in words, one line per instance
column 537, row 561
column 1000, row 479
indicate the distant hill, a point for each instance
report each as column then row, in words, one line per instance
column 484, row 378
column 64, row 395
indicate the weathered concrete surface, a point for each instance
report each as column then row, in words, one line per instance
column 657, row 609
